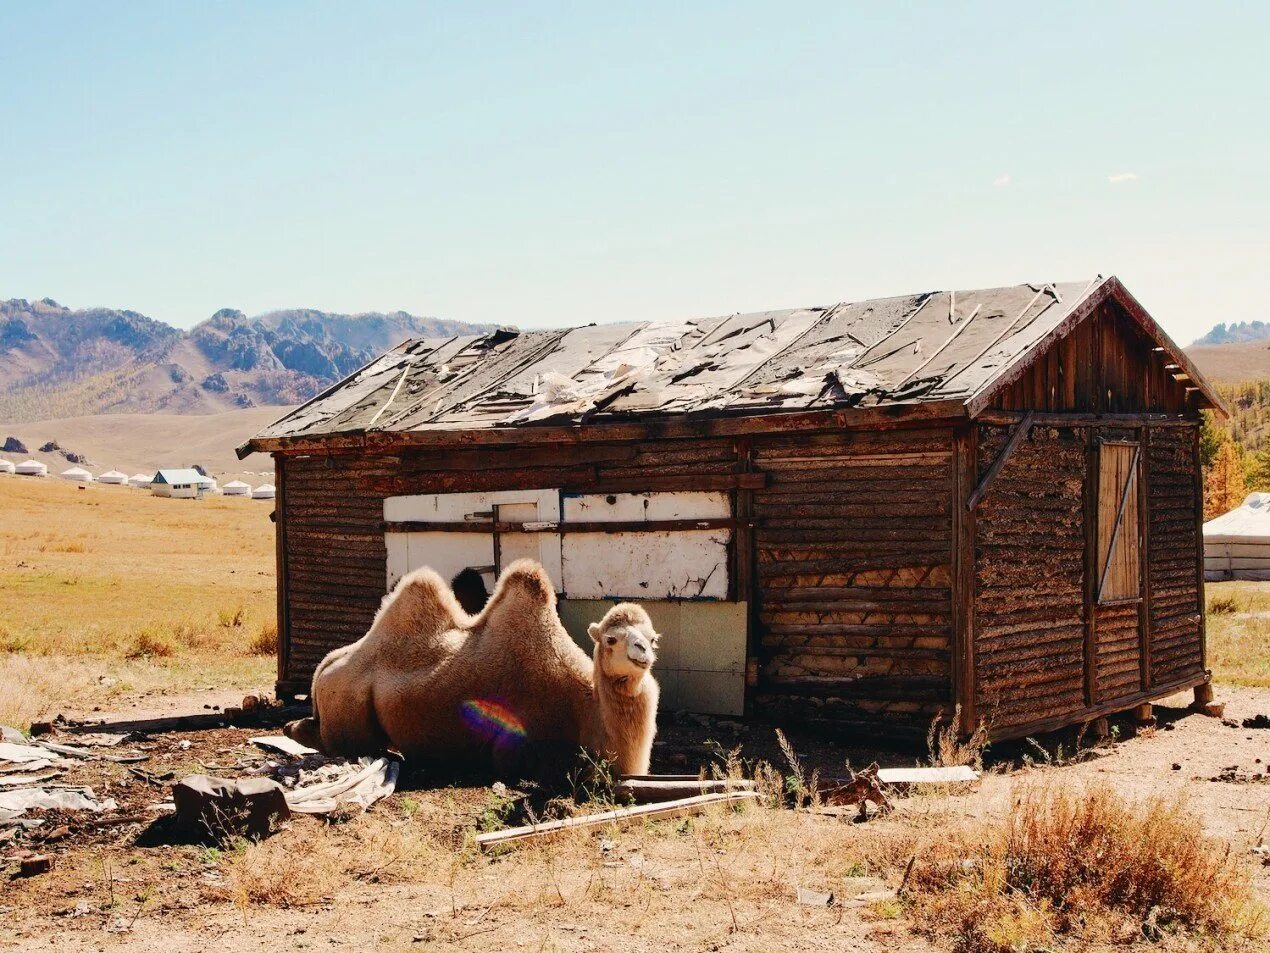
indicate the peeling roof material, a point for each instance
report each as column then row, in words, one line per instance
column 934, row 346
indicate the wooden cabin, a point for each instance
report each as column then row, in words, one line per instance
column 856, row 516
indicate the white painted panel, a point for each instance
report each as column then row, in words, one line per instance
column 595, row 507
column 654, row 565
column 450, row 553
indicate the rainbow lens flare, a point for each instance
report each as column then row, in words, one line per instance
column 493, row 721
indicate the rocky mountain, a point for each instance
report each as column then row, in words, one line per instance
column 1238, row 332
column 55, row 361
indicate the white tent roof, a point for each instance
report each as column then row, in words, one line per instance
column 30, row 465
column 77, row 473
column 113, row 475
column 6, row 466
column 141, row 478
column 236, row 484
column 263, row 492
column 1247, row 523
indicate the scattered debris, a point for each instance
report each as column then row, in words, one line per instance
column 1233, row 775
column 1257, row 721
column 13, row 804
column 36, row 864
column 650, row 789
column 84, row 754
column 858, row 789
column 813, row 898
column 906, row 776
column 221, row 807
column 642, row 812
column 282, row 744
column 342, row 783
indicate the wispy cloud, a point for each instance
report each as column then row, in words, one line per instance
column 1002, row 180
column 1120, row 178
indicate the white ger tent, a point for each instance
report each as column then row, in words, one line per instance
column 141, row 479
column 1237, row 544
column 32, row 468
column 79, row 474
column 6, row 466
column 236, row 488
column 113, row 477
column 263, row 492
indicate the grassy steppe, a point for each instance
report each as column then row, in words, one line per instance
column 108, row 592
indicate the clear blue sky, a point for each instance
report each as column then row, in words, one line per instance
column 549, row 164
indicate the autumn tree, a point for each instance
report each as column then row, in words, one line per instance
column 1225, row 484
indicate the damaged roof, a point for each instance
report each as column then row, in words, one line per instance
column 948, row 346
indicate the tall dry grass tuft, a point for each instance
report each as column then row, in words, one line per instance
column 948, row 749
column 1082, row 864
column 265, row 641
column 151, row 643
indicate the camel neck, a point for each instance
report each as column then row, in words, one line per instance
column 623, row 718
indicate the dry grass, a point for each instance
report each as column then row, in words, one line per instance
column 947, row 748
column 1239, row 632
column 265, row 641
column 1085, row 865
column 109, row 590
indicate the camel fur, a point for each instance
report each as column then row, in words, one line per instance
column 432, row 681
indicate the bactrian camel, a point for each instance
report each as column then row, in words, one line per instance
column 433, row 682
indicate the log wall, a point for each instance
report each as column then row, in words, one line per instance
column 1175, row 546
column 1029, row 579
column 854, row 549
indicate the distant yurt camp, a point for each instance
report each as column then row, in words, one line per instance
column 142, row 480
column 181, row 484
column 236, row 488
column 113, row 477
column 6, row 466
column 208, row 484
column 78, row 475
column 32, row 468
column 1237, row 544
column 263, row 492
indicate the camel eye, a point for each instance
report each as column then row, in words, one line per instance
column 612, row 640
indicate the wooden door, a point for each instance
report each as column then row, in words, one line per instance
column 1118, row 576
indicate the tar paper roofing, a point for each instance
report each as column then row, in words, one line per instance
column 953, row 346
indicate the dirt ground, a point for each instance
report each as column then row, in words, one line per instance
column 664, row 886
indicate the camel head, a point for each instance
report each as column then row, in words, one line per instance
column 625, row 647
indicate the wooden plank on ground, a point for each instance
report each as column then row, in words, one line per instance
column 643, row 812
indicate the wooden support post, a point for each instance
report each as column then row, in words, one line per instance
column 965, row 466
column 1204, row 703
column 1144, row 714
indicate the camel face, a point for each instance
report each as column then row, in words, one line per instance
column 625, row 644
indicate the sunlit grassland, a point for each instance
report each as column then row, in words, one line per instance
column 108, row 591
column 1239, row 632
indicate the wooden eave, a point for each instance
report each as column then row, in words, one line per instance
column 1109, row 289
column 882, row 416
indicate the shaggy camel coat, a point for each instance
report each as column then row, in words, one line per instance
column 431, row 681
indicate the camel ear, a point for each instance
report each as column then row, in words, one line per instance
column 593, row 630
column 656, row 639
